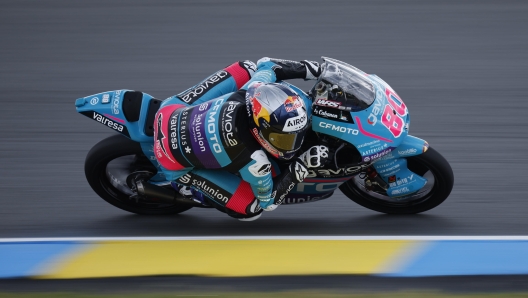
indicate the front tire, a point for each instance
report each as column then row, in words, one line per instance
column 107, row 166
column 430, row 164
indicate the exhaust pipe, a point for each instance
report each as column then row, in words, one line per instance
column 163, row 195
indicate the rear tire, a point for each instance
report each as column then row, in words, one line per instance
column 119, row 148
column 430, row 162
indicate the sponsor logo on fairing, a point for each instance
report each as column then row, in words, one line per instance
column 195, row 92
column 408, row 151
column 339, row 128
column 326, row 114
column 327, row 103
column 338, row 172
column 374, row 150
column 115, row 105
column 372, row 119
column 368, row 144
column 94, row 101
column 173, row 129
column 106, row 98
column 110, row 123
column 402, row 190
column 377, row 155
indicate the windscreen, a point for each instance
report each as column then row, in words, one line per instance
column 350, row 79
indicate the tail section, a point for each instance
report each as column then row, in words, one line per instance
column 128, row 112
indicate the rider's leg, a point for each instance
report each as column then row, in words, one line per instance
column 224, row 81
column 226, row 192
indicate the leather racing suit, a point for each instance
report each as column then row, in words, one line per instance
column 203, row 141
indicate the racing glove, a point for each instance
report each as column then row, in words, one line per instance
column 315, row 157
column 297, row 171
column 313, row 70
column 288, row 69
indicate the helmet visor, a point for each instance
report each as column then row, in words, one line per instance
column 284, row 141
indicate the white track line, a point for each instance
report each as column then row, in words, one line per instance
column 323, row 238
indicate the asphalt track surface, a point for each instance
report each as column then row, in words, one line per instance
column 460, row 66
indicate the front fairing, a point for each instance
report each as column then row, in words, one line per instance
column 374, row 131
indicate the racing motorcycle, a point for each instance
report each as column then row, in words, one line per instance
column 376, row 163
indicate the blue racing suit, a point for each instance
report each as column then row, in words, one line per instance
column 202, row 139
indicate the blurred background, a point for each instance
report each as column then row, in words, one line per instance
column 460, row 66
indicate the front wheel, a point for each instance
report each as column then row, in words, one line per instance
column 430, row 165
column 108, row 167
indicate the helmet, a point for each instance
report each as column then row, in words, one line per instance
column 278, row 118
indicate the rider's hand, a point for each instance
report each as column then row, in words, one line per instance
column 315, row 157
column 313, row 69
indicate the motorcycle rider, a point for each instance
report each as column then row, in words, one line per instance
column 218, row 128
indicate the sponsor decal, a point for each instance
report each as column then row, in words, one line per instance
column 255, row 207
column 281, row 198
column 403, row 181
column 392, row 179
column 327, row 103
column 394, row 167
column 295, row 123
column 106, row 98
column 375, row 142
column 105, row 121
column 228, row 124
column 264, row 169
column 197, row 91
column 115, row 105
column 339, row 128
column 185, row 179
column 196, row 129
column 160, row 148
column 250, row 66
column 292, row 103
column 372, row 119
column 300, row 172
column 318, row 187
column 302, row 198
column 327, row 114
column 374, row 150
column 211, row 126
column 265, row 144
column 173, row 130
column 377, row 155
column 336, row 172
column 94, row 101
column 408, row 151
column 402, row 190
column 211, row 190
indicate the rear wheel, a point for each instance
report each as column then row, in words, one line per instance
column 430, row 165
column 111, row 165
